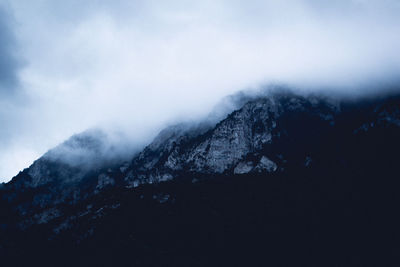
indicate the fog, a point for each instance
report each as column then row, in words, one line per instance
column 133, row 67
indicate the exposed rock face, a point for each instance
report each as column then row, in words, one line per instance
column 233, row 138
column 215, row 151
column 224, row 148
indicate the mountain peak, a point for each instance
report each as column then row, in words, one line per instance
column 277, row 135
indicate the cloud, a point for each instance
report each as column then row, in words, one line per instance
column 138, row 65
column 9, row 63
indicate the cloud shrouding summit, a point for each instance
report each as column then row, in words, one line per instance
column 136, row 65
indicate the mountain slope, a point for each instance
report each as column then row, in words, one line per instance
column 308, row 175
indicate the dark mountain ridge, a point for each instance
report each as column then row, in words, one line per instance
column 284, row 180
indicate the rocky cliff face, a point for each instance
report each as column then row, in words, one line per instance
column 227, row 148
column 267, row 136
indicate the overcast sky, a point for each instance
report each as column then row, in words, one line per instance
column 66, row 66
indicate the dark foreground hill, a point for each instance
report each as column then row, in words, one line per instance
column 285, row 180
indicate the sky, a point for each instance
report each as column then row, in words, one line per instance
column 136, row 66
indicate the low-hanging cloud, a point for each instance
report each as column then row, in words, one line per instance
column 137, row 65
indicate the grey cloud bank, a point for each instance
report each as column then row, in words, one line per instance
column 9, row 63
column 138, row 65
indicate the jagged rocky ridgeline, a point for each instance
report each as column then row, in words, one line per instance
column 253, row 139
column 238, row 144
column 268, row 136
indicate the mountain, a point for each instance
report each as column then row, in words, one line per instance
column 285, row 179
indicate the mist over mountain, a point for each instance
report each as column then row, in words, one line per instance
column 199, row 133
column 137, row 66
